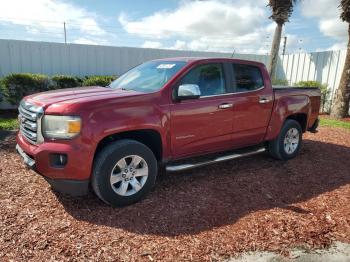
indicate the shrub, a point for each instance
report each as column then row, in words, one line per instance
column 65, row 81
column 8, row 123
column 323, row 87
column 16, row 86
column 280, row 82
column 98, row 80
column 308, row 84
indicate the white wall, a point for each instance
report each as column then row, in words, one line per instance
column 324, row 67
column 81, row 60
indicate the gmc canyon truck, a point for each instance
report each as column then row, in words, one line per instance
column 171, row 114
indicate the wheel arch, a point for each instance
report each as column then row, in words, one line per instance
column 301, row 118
column 297, row 108
column 149, row 137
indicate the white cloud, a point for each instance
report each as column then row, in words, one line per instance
column 179, row 45
column 199, row 18
column 47, row 16
column 330, row 24
column 333, row 27
column 152, row 44
column 220, row 25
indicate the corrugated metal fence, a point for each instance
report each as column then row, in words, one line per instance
column 324, row 67
column 82, row 60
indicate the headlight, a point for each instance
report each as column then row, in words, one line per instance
column 61, row 127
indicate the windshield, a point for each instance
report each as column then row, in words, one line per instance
column 148, row 77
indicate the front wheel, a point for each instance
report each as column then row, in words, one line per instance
column 287, row 145
column 124, row 172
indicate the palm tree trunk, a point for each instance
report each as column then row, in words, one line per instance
column 340, row 107
column 275, row 50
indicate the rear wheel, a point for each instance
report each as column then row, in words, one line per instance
column 124, row 172
column 287, row 145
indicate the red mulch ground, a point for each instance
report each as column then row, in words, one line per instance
column 211, row 213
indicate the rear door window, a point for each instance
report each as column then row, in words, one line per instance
column 247, row 78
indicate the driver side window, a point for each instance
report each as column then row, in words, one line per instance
column 209, row 78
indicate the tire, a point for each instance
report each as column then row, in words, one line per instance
column 278, row 149
column 117, row 179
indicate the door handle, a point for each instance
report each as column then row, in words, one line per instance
column 264, row 100
column 225, row 106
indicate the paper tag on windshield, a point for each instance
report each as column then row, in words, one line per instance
column 165, row 66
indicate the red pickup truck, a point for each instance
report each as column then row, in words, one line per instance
column 175, row 113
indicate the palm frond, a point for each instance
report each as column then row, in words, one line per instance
column 345, row 7
column 282, row 10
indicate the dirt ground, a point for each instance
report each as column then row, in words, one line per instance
column 208, row 214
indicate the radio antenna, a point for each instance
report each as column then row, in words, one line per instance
column 233, row 53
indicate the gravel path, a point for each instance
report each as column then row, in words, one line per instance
column 210, row 213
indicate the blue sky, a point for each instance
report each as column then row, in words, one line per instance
column 213, row 25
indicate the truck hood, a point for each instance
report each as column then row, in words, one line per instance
column 77, row 95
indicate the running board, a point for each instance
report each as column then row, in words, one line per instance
column 182, row 167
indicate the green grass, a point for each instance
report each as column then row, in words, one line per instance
column 334, row 123
column 8, row 123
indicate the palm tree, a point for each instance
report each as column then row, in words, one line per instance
column 281, row 11
column 340, row 107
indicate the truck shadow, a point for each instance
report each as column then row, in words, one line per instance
column 218, row 195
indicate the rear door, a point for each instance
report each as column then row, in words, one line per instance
column 204, row 124
column 253, row 103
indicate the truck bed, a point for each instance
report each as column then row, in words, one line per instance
column 307, row 96
column 292, row 90
column 293, row 87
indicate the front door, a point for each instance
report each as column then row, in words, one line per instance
column 202, row 125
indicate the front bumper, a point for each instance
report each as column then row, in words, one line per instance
column 79, row 156
column 73, row 179
column 27, row 159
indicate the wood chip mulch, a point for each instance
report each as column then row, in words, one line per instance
column 207, row 214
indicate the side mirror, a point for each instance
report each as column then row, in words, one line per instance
column 188, row 91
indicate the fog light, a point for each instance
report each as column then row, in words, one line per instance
column 58, row 160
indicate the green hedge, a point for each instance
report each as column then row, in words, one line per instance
column 98, row 80
column 280, row 82
column 323, row 87
column 15, row 86
column 64, row 81
column 308, row 84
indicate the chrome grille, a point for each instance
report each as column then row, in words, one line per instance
column 30, row 121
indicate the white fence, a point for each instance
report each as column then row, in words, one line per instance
column 324, row 67
column 82, row 60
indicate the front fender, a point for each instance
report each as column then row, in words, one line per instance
column 111, row 121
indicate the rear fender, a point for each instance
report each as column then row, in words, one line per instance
column 286, row 107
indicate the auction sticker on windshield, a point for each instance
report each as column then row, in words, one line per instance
column 166, row 66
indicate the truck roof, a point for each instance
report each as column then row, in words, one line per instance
column 193, row 59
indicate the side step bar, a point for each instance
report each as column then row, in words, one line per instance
column 182, row 167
